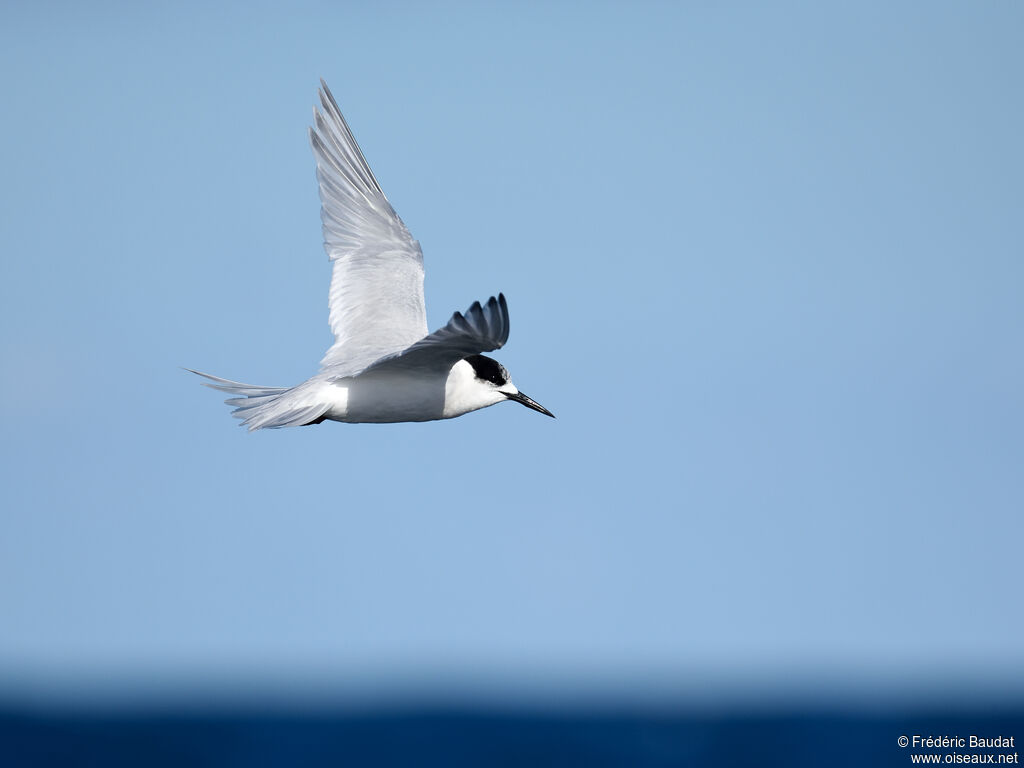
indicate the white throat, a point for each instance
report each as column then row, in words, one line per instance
column 464, row 392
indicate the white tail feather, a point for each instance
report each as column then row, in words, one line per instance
column 267, row 407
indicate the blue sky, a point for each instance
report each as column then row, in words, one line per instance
column 764, row 263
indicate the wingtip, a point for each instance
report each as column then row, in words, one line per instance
column 327, row 98
column 505, row 321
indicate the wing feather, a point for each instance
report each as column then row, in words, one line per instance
column 482, row 328
column 376, row 294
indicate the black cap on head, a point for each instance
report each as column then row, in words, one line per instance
column 488, row 369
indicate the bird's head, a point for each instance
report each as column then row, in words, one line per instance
column 478, row 381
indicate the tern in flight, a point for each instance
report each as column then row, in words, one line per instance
column 383, row 365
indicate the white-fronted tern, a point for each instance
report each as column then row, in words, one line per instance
column 383, row 365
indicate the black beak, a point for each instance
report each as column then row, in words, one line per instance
column 519, row 397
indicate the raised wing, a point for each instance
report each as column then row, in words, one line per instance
column 480, row 329
column 376, row 295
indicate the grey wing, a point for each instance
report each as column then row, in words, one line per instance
column 376, row 296
column 480, row 329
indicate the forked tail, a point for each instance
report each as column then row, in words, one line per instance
column 265, row 407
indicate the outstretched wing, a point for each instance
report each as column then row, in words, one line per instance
column 376, row 296
column 480, row 329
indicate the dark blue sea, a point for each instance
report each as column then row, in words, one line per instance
column 445, row 736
